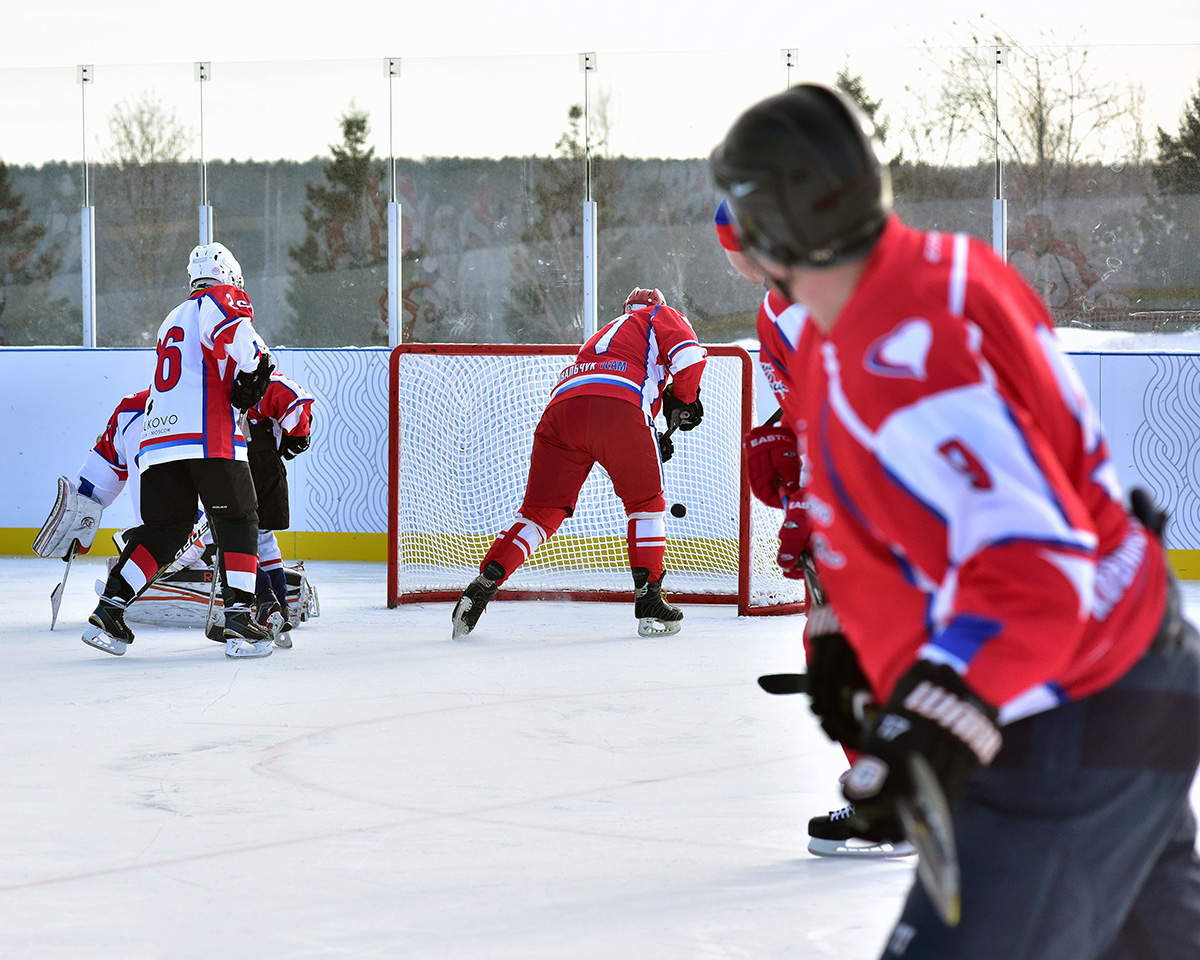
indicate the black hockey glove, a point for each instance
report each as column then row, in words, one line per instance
column 1152, row 516
column 290, row 447
column 838, row 692
column 666, row 446
column 932, row 712
column 248, row 388
column 690, row 414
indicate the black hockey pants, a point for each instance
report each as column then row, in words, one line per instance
column 169, row 495
column 1078, row 842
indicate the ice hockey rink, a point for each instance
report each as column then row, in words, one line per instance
column 553, row 786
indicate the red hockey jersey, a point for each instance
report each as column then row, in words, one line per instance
column 631, row 358
column 965, row 506
column 287, row 404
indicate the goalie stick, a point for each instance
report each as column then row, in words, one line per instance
column 56, row 594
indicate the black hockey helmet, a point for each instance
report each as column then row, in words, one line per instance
column 805, row 178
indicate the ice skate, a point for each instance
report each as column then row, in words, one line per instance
column 270, row 617
column 244, row 638
column 106, row 629
column 832, row 836
column 656, row 616
column 475, row 598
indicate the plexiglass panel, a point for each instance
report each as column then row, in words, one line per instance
column 41, row 193
column 142, row 140
column 1091, row 149
column 491, row 186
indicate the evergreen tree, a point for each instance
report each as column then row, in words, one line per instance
column 1178, row 166
column 855, row 88
column 28, row 314
column 545, row 302
column 338, row 290
column 1169, row 221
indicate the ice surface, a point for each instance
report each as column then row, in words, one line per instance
column 552, row 787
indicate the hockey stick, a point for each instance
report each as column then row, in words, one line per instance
column 56, row 594
column 925, row 815
column 197, row 535
column 929, row 827
column 212, row 598
column 784, row 683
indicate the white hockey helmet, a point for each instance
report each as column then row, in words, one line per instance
column 212, row 263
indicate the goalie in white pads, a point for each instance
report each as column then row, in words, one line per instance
column 105, row 472
column 602, row 410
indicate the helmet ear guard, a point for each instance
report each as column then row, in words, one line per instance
column 640, row 297
column 805, row 178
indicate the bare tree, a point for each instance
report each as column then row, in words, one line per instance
column 1056, row 112
column 146, row 198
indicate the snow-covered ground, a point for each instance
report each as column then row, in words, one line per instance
column 552, row 787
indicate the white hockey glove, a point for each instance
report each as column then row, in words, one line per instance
column 74, row 517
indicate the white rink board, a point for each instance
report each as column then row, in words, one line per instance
column 55, row 401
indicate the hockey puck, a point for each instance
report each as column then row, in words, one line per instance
column 678, row 510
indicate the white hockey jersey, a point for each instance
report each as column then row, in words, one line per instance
column 202, row 345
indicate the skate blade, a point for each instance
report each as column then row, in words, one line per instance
column 653, row 627
column 855, row 848
column 239, row 648
column 95, row 636
column 461, row 627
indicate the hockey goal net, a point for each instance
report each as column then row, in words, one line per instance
column 461, row 429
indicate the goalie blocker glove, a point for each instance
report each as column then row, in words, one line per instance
column 772, row 464
column 932, row 712
column 689, row 414
column 249, row 387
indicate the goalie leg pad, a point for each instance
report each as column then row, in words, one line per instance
column 73, row 517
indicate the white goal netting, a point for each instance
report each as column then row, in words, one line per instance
column 462, row 423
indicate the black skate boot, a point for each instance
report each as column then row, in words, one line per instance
column 832, row 836
column 656, row 616
column 471, row 604
column 106, row 629
column 244, row 638
column 270, row 617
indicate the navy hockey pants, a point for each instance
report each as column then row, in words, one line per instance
column 1078, row 842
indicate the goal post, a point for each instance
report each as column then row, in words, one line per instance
column 461, row 422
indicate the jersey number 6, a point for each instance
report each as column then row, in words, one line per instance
column 170, row 361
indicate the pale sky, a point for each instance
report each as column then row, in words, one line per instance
column 68, row 32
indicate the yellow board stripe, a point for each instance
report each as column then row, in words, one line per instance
column 372, row 547
column 294, row 544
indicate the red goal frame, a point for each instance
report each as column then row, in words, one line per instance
column 395, row 597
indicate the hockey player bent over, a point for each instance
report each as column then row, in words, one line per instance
column 602, row 410
column 1017, row 628
column 211, row 365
